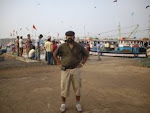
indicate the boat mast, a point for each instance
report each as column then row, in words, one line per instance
column 149, row 27
column 119, row 37
column 133, row 31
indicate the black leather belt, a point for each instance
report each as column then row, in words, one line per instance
column 64, row 68
column 71, row 67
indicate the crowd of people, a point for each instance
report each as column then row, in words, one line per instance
column 33, row 48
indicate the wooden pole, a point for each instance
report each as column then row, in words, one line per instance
column 149, row 27
column 119, row 37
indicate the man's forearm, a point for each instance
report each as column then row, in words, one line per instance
column 57, row 60
column 84, row 60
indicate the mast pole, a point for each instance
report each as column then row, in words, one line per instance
column 119, row 31
column 149, row 27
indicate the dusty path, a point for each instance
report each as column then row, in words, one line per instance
column 113, row 85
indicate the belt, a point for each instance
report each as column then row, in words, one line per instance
column 71, row 67
column 64, row 68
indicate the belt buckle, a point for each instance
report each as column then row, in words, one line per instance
column 73, row 67
column 63, row 68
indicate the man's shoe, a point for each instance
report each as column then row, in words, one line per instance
column 63, row 108
column 79, row 107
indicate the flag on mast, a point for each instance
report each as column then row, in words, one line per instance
column 34, row 27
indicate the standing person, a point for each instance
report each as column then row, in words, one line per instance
column 54, row 48
column 102, row 47
column 17, row 44
column 136, row 50
column 13, row 49
column 28, row 44
column 88, row 48
column 112, row 47
column 0, row 45
column 98, row 50
column 73, row 56
column 116, row 46
column 37, row 47
column 21, row 46
column 107, row 46
column 83, row 44
column 148, row 52
column 49, row 49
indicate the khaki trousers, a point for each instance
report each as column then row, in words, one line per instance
column 71, row 76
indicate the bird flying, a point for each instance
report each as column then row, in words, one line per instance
column 115, row 1
column 147, row 6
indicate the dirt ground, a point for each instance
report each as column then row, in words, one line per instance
column 112, row 85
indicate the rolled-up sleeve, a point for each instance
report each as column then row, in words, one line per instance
column 84, row 52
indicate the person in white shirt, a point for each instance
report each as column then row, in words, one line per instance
column 98, row 50
column 32, row 53
column 37, row 47
column 21, row 46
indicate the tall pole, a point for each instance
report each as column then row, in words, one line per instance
column 35, row 33
column 149, row 27
column 84, row 32
column 32, row 33
column 119, row 37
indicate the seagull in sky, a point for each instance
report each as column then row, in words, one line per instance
column 115, row 1
column 147, row 6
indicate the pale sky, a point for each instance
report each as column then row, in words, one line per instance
column 84, row 17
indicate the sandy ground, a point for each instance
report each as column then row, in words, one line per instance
column 113, row 85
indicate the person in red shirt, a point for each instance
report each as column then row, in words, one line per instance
column 54, row 48
column 88, row 47
column 28, row 44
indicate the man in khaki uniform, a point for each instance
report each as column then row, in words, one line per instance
column 73, row 56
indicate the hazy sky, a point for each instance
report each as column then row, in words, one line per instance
column 85, row 17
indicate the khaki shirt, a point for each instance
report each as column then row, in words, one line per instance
column 49, row 46
column 71, row 57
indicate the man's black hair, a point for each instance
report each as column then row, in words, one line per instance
column 41, row 35
column 33, row 47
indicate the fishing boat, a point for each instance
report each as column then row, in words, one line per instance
column 121, row 48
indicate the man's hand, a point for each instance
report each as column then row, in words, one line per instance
column 59, row 65
column 80, row 65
